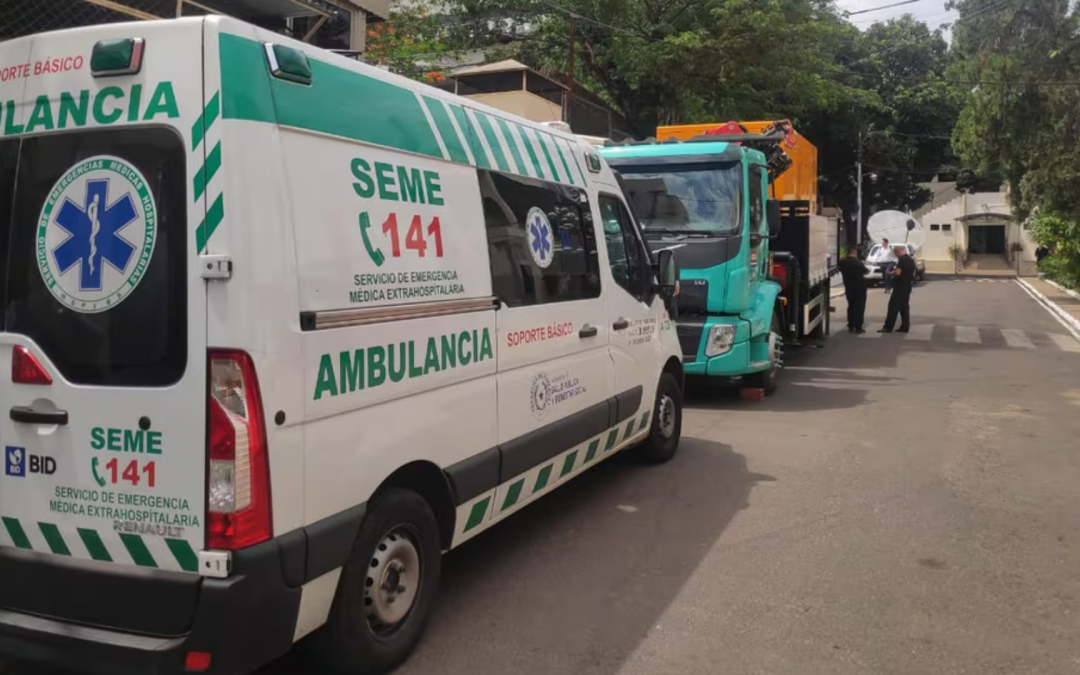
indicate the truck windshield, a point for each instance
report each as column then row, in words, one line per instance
column 701, row 198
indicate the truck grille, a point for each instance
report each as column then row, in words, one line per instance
column 689, row 340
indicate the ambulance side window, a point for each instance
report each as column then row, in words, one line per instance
column 540, row 239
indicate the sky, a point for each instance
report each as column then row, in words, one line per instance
column 930, row 12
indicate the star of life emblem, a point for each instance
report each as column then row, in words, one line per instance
column 96, row 234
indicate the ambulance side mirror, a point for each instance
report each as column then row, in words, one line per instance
column 667, row 273
column 772, row 214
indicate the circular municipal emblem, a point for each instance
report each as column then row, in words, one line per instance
column 541, row 238
column 538, row 396
column 96, row 234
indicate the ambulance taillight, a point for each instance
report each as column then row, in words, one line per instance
column 26, row 369
column 239, row 486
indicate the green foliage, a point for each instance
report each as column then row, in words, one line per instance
column 412, row 42
column 1061, row 236
column 1021, row 118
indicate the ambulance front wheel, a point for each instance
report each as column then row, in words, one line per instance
column 387, row 589
column 666, row 429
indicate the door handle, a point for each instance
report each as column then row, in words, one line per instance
column 621, row 324
column 588, row 331
column 28, row 415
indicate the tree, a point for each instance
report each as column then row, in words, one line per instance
column 1021, row 116
column 412, row 42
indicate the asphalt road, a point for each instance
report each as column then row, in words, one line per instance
column 904, row 504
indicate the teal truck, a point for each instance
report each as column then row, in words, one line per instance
column 754, row 268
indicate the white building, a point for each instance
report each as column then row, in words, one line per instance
column 979, row 227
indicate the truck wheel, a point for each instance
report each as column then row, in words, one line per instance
column 387, row 589
column 769, row 379
column 666, row 429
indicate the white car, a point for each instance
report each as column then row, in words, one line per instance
column 875, row 271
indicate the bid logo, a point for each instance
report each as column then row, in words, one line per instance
column 18, row 463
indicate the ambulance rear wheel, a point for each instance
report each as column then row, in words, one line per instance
column 387, row 589
column 666, row 429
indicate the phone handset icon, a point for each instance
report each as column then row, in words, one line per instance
column 376, row 255
column 93, row 467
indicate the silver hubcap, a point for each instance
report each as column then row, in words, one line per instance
column 393, row 580
column 665, row 416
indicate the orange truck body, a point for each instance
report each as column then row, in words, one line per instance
column 799, row 182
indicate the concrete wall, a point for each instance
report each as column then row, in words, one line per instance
column 522, row 103
column 938, row 242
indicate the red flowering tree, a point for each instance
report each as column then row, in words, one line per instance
column 410, row 43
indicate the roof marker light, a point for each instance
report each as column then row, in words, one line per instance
column 288, row 63
column 117, row 57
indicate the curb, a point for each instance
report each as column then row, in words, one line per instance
column 1061, row 288
column 1064, row 318
column 836, row 294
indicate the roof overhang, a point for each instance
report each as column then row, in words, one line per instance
column 286, row 9
column 984, row 216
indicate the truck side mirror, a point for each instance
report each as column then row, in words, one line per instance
column 772, row 214
column 667, row 273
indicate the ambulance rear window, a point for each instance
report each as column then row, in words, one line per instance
column 96, row 253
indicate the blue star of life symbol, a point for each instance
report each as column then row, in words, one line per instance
column 94, row 230
column 540, row 232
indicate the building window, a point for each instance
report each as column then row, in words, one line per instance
column 935, row 227
column 946, row 227
column 541, row 240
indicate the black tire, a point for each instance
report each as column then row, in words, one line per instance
column 351, row 642
column 666, row 429
column 769, row 379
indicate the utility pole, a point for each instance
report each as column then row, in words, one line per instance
column 570, row 75
column 858, row 194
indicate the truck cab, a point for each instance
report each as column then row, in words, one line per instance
column 706, row 198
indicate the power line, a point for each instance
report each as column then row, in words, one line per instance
column 877, row 9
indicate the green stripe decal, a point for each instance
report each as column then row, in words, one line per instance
column 479, row 154
column 547, row 154
column 339, row 102
column 512, row 144
column 644, row 422
column 446, row 130
column 512, row 494
column 206, row 173
column 629, row 431
column 18, row 535
column 611, row 438
column 566, row 167
column 92, row 542
column 54, row 539
column 205, row 121
column 568, row 463
column 214, row 215
column 577, row 162
column 137, row 548
column 182, row 551
column 591, row 452
column 542, row 478
column 476, row 516
column 493, row 141
column 538, row 168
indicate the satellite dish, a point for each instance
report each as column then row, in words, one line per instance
column 896, row 226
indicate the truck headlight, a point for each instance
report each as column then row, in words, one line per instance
column 720, row 339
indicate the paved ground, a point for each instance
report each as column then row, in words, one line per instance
column 902, row 505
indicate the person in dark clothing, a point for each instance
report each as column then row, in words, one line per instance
column 854, row 272
column 900, row 300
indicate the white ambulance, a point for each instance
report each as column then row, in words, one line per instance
column 282, row 329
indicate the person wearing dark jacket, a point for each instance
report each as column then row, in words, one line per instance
column 900, row 300
column 854, row 273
